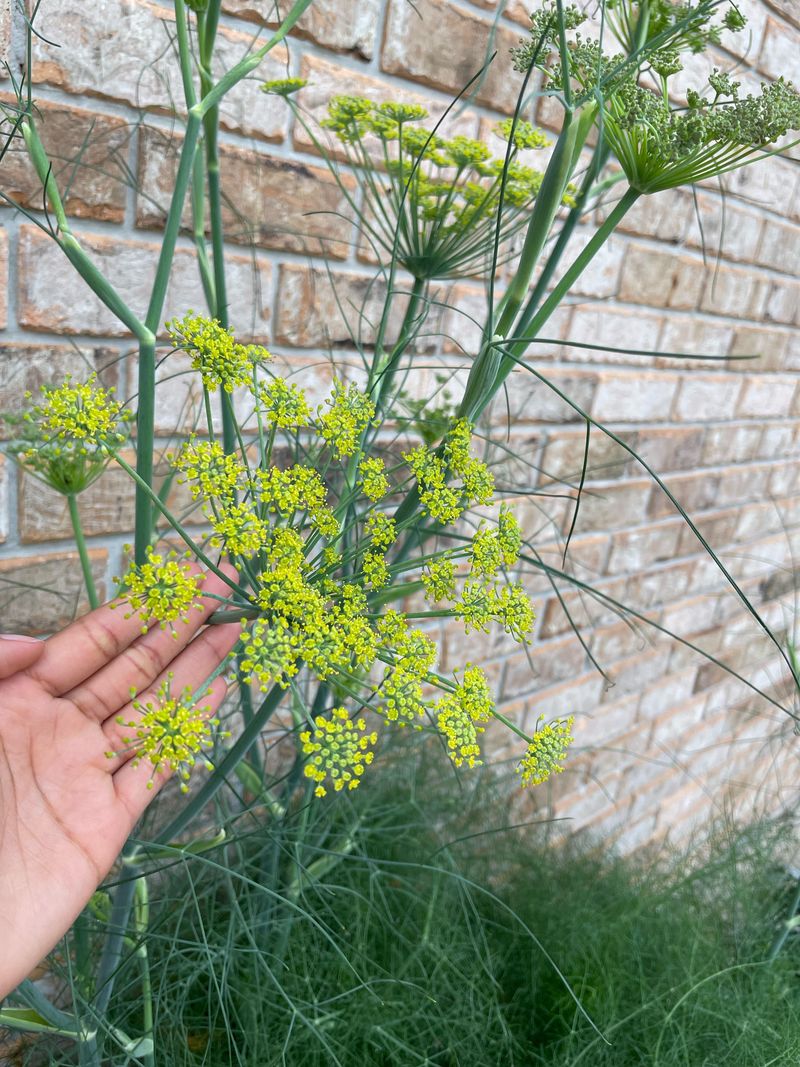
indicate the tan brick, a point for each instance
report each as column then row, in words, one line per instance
column 534, row 401
column 667, row 217
column 770, row 347
column 766, row 396
column 780, row 52
column 327, row 78
column 693, row 491
column 121, row 49
column 780, row 247
column 631, row 675
column 730, row 444
column 739, row 293
column 88, row 155
column 563, row 456
column 661, row 279
column 4, row 501
column 105, row 507
column 634, row 396
column 443, row 46
column 318, row 310
column 5, row 35
column 636, row 550
column 729, row 231
column 601, row 277
column 672, row 449
column 718, row 530
column 3, row 279
column 737, row 484
column 53, row 297
column 26, row 367
column 702, row 397
column 613, row 507
column 782, row 301
column 694, row 336
column 777, row 441
column 644, row 591
column 267, row 201
column 615, row 327
column 339, row 25
column 42, row 593
column 771, row 184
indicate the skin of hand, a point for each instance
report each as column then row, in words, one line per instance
column 66, row 809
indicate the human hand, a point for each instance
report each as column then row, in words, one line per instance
column 66, row 808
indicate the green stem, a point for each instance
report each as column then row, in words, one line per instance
column 83, row 552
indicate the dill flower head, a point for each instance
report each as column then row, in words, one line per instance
column 210, row 471
column 440, row 580
column 82, row 415
column 164, row 589
column 493, row 548
column 171, row 732
column 238, row 529
column 374, row 483
column 339, row 750
column 221, row 360
column 433, row 203
column 284, row 404
column 510, row 606
column 459, row 716
column 349, row 413
column 546, row 749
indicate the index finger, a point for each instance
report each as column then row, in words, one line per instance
column 87, row 645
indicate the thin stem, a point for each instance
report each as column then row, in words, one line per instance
column 83, row 552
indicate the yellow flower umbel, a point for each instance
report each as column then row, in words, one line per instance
column 171, row 732
column 374, row 483
column 546, row 749
column 461, row 713
column 339, row 750
column 84, row 414
column 162, row 589
column 284, row 404
column 221, row 360
column 209, row 471
column 349, row 413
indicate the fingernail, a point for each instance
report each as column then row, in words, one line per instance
column 18, row 637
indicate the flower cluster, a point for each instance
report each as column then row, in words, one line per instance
column 547, row 748
column 434, row 202
column 221, row 360
column 165, row 589
column 460, row 716
column 67, row 439
column 657, row 145
column 318, row 547
column 170, row 731
column 339, row 749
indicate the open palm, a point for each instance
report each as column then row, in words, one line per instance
column 66, row 808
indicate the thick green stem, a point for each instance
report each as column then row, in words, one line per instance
column 83, row 552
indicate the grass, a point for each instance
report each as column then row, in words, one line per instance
column 392, row 951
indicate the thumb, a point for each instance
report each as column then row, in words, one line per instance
column 18, row 652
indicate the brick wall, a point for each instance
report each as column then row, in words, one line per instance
column 666, row 737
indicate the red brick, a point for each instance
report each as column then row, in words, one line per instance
column 53, row 297
column 88, row 154
column 267, row 201
column 443, row 46
column 42, row 593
